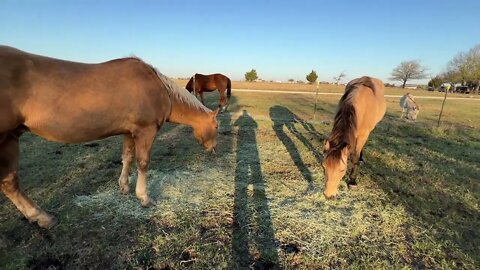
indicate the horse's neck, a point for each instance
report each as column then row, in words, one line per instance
column 185, row 114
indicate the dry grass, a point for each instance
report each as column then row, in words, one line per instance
column 258, row 202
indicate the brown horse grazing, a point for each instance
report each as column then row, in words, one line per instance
column 209, row 83
column 361, row 107
column 72, row 102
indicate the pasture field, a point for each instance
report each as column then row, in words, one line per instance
column 329, row 88
column 258, row 203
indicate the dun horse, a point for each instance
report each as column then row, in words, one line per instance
column 361, row 107
column 72, row 102
column 209, row 83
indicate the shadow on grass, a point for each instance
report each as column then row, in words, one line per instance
column 283, row 117
column 432, row 187
column 253, row 239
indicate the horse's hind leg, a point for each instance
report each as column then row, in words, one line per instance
column 128, row 154
column 9, row 163
column 223, row 100
column 143, row 143
column 357, row 157
column 360, row 159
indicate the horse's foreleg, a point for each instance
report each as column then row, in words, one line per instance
column 143, row 143
column 128, row 154
column 9, row 163
column 357, row 157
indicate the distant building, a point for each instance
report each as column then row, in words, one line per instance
column 411, row 86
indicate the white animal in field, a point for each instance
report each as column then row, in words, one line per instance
column 408, row 105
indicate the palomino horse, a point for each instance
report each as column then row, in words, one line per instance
column 71, row 102
column 209, row 83
column 361, row 107
column 407, row 102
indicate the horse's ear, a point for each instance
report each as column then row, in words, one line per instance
column 327, row 146
column 215, row 113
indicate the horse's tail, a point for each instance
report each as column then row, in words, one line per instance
column 229, row 88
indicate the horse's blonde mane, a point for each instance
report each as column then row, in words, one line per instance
column 176, row 91
column 181, row 93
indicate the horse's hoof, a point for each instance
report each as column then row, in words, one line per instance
column 124, row 189
column 352, row 186
column 148, row 203
column 47, row 221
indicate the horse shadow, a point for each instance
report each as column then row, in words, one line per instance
column 252, row 226
column 283, row 117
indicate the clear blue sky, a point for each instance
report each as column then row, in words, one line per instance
column 280, row 39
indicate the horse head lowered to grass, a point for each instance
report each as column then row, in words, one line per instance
column 361, row 107
column 72, row 102
column 408, row 104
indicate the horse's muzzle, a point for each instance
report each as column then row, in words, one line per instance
column 330, row 197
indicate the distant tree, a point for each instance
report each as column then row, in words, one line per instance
column 408, row 70
column 450, row 76
column 460, row 68
column 251, row 75
column 474, row 54
column 312, row 77
column 435, row 82
column 339, row 77
column 291, row 80
column 389, row 85
column 465, row 67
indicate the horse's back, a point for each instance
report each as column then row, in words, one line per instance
column 370, row 105
column 211, row 82
column 71, row 102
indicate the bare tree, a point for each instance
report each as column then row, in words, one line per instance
column 339, row 77
column 465, row 67
column 473, row 66
column 408, row 70
column 459, row 68
column 475, row 56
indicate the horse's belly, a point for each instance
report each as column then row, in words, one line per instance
column 72, row 132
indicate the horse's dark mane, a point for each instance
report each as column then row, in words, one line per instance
column 344, row 125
